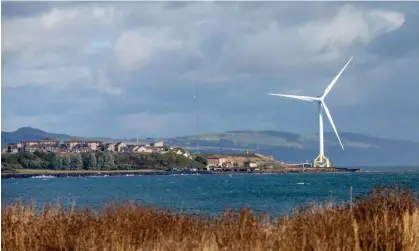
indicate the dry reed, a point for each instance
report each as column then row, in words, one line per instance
column 387, row 219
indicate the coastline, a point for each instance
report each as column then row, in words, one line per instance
column 27, row 173
column 83, row 173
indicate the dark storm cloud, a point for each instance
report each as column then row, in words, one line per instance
column 23, row 9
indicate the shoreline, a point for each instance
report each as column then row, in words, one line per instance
column 90, row 173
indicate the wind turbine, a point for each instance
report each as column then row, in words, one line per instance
column 321, row 160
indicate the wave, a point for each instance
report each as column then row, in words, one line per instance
column 302, row 183
column 183, row 174
column 43, row 177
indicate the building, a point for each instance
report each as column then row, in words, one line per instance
column 48, row 142
column 157, row 144
column 250, row 164
column 33, row 148
column 120, row 147
column 109, row 147
column 144, row 149
column 49, row 145
column 42, row 142
column 70, row 144
column 130, row 148
column 94, row 145
column 187, row 155
column 14, row 147
column 51, row 148
column 215, row 160
column 228, row 164
column 82, row 148
column 62, row 148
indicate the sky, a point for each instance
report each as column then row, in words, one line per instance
column 132, row 69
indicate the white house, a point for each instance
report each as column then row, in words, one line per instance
column 157, row 144
column 143, row 149
column 179, row 152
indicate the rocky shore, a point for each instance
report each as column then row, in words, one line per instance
column 62, row 174
column 90, row 174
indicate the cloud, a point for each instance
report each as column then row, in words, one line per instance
column 155, row 125
column 53, row 76
column 277, row 46
column 134, row 49
column 135, row 66
column 349, row 26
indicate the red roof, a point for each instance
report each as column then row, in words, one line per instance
column 215, row 157
column 46, row 140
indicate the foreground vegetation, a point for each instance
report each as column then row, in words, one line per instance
column 387, row 219
column 96, row 161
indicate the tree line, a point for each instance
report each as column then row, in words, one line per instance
column 98, row 161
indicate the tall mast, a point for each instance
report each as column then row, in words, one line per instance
column 197, row 120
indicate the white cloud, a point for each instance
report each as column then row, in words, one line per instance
column 135, row 49
column 65, row 35
column 50, row 48
column 60, row 28
column 275, row 46
column 349, row 26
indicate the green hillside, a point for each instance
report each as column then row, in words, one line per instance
column 29, row 133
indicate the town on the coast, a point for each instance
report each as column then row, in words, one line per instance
column 80, row 154
column 74, row 147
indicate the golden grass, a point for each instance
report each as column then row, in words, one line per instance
column 388, row 219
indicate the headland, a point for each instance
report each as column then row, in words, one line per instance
column 76, row 158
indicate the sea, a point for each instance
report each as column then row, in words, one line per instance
column 275, row 194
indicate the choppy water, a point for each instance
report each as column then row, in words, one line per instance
column 272, row 193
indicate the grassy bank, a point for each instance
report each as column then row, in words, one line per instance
column 388, row 219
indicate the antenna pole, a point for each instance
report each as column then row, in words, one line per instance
column 197, row 120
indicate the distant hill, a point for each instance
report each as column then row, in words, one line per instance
column 360, row 150
column 29, row 133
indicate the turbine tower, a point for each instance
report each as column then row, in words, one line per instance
column 321, row 160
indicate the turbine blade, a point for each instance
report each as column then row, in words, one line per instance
column 306, row 98
column 331, row 122
column 335, row 79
